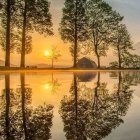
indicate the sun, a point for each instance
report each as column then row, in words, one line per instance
column 47, row 53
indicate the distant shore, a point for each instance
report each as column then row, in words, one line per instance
column 15, row 69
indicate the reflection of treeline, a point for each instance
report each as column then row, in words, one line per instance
column 18, row 119
column 89, row 25
column 94, row 118
column 131, row 78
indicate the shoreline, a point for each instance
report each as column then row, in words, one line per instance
column 5, row 70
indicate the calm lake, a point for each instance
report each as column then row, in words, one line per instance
column 70, row 106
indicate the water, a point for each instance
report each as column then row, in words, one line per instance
column 72, row 106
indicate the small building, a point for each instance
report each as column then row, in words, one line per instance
column 86, row 63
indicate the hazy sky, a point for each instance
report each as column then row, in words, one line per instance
column 130, row 9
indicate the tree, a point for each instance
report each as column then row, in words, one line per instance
column 113, row 64
column 131, row 61
column 9, row 100
column 36, row 122
column 8, row 38
column 101, row 22
column 72, row 111
column 92, row 113
column 53, row 55
column 122, row 44
column 107, row 109
column 35, row 16
column 20, row 120
column 73, row 26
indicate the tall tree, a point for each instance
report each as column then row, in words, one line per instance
column 9, row 100
column 122, row 43
column 18, row 118
column 35, row 16
column 73, row 110
column 101, row 22
column 92, row 113
column 7, row 35
column 73, row 25
column 36, row 122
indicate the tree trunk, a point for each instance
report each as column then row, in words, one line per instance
column 119, row 90
column 8, row 27
column 119, row 85
column 76, row 102
column 98, row 57
column 76, row 38
column 99, row 65
column 95, row 102
column 119, row 57
column 7, row 95
column 22, row 64
column 22, row 79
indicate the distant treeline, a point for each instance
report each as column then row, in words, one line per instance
column 89, row 25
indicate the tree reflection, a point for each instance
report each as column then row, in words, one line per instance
column 19, row 119
column 8, row 101
column 73, row 113
column 94, row 117
column 53, row 85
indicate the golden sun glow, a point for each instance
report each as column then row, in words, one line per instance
column 48, row 86
column 47, row 53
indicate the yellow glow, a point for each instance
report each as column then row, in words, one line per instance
column 47, row 53
column 48, row 86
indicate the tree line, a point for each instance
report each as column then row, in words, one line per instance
column 91, row 25
column 96, row 27
column 19, row 119
column 19, row 19
column 92, row 113
column 88, row 112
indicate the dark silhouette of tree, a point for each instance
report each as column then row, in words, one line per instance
column 41, row 123
column 73, row 25
column 54, row 84
column 8, row 102
column 94, row 117
column 102, row 21
column 8, row 37
column 108, row 109
column 123, row 45
column 130, row 60
column 36, row 123
column 35, row 16
column 20, row 120
column 7, row 107
column 72, row 111
column 53, row 55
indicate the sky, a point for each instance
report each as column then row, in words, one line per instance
column 127, row 8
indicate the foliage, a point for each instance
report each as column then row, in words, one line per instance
column 94, row 117
column 36, row 15
column 54, row 55
column 73, row 25
column 122, row 44
column 20, row 120
column 114, row 64
column 3, row 28
column 101, row 23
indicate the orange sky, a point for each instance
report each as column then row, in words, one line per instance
column 41, row 44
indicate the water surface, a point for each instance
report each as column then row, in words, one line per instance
column 70, row 106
